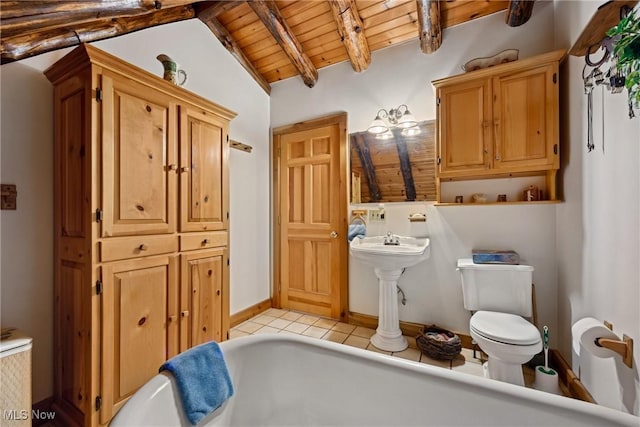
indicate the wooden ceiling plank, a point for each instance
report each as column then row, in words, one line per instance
column 410, row 20
column 306, row 16
column 22, row 46
column 350, row 28
column 458, row 12
column 281, row 73
column 23, row 17
column 321, row 31
column 269, row 14
column 371, row 8
column 208, row 17
column 397, row 12
column 330, row 57
column 519, row 12
column 238, row 17
column 398, row 35
column 429, row 28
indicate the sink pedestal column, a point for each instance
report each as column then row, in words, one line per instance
column 388, row 335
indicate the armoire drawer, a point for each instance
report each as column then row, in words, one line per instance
column 132, row 247
column 192, row 241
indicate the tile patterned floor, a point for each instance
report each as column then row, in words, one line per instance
column 274, row 321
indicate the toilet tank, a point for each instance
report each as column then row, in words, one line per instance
column 496, row 287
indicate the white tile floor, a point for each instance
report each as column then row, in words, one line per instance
column 274, row 321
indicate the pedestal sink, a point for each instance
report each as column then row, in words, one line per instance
column 389, row 255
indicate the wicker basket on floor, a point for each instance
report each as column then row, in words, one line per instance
column 436, row 347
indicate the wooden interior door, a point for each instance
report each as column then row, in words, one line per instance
column 465, row 127
column 524, row 114
column 203, row 154
column 311, row 238
column 139, row 158
column 139, row 325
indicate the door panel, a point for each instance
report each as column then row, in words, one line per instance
column 524, row 118
column 139, row 325
column 139, row 159
column 312, row 241
column 203, row 297
column 203, row 152
column 464, row 123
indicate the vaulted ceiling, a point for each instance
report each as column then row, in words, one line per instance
column 273, row 40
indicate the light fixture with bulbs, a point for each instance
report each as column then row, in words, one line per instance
column 399, row 117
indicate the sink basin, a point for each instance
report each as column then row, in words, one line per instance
column 389, row 262
column 408, row 252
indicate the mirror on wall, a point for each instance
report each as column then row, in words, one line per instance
column 398, row 169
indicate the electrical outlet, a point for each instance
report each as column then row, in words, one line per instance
column 376, row 215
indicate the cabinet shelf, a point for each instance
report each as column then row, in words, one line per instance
column 522, row 202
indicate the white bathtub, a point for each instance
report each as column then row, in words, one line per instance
column 289, row 380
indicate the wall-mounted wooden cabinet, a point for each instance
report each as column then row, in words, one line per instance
column 141, row 229
column 499, row 122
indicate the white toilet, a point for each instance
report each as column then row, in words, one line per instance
column 500, row 294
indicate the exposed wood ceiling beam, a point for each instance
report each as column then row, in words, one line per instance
column 208, row 15
column 430, row 28
column 22, row 17
column 270, row 16
column 30, row 44
column 351, row 31
column 362, row 148
column 519, row 12
column 405, row 165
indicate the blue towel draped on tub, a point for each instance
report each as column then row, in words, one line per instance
column 203, row 379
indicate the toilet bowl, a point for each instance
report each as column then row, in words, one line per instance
column 499, row 296
column 508, row 340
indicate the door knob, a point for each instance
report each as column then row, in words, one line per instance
column 333, row 234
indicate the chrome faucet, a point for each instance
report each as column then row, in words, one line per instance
column 391, row 239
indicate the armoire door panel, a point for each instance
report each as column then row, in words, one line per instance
column 202, row 297
column 139, row 159
column 203, row 151
column 140, row 301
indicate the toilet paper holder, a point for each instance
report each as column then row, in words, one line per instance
column 623, row 347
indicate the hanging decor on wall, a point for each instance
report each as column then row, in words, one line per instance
column 626, row 54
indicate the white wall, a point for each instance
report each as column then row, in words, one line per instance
column 27, row 160
column 402, row 75
column 598, row 238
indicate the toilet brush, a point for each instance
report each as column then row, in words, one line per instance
column 545, row 343
column 546, row 378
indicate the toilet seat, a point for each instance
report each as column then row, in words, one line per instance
column 504, row 328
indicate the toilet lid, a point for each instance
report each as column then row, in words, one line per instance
column 504, row 327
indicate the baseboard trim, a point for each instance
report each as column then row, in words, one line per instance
column 567, row 377
column 246, row 314
column 43, row 406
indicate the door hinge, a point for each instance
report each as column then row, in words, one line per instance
column 98, row 215
column 278, row 219
column 98, row 94
column 438, row 101
column 279, row 287
column 555, row 148
column 438, row 160
column 98, row 287
column 228, row 261
column 227, row 138
column 555, row 77
column 98, row 403
column 227, row 214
